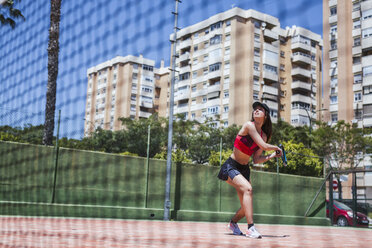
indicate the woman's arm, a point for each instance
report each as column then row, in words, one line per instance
column 251, row 130
column 259, row 159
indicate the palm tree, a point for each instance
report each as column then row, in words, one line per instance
column 53, row 52
column 8, row 13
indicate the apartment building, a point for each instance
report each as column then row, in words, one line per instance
column 124, row 87
column 347, row 35
column 234, row 58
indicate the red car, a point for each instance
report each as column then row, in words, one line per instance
column 343, row 215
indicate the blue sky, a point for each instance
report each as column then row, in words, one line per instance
column 92, row 32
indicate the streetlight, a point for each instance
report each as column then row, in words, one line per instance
column 92, row 125
column 308, row 115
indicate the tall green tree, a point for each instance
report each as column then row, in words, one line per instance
column 8, row 13
column 53, row 53
column 301, row 161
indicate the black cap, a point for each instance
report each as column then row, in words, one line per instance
column 256, row 104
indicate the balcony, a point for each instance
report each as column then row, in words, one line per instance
column 271, row 104
column 333, row 19
column 301, row 72
column 146, row 104
column 300, row 45
column 184, row 57
column 200, row 92
column 367, row 80
column 367, row 121
column 214, row 88
column 356, row 32
column 357, row 87
column 182, row 108
column 333, row 107
column 332, row 3
column 357, row 68
column 367, row 43
column 144, row 114
column 299, row 111
column 301, row 85
column 270, row 35
column 270, row 75
column 301, row 98
column 214, row 74
column 213, row 102
column 355, row 14
column 270, row 90
column 181, row 95
column 266, row 96
column 302, row 58
column 357, row 50
column 184, row 69
column 367, row 99
column 184, row 44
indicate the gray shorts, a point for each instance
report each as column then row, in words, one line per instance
column 231, row 168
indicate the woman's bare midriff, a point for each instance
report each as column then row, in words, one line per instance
column 240, row 157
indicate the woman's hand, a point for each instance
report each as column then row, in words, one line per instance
column 278, row 152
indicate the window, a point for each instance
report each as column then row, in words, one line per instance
column 206, row 44
column 214, row 110
column 358, row 114
column 356, row 60
column 194, row 74
column 133, row 97
column 146, row 89
column 356, row 6
column 194, row 61
column 204, row 99
column 226, row 94
column 193, row 89
column 357, row 96
column 367, row 14
column 225, row 109
column 357, row 78
column 196, row 35
column 195, row 48
column 282, row 53
column 193, row 102
column 206, row 31
column 228, row 23
column 148, row 79
column 184, row 76
column 215, row 40
column 270, row 68
column 205, row 58
column 227, row 65
column 282, row 67
column 333, row 99
column 333, row 44
column 257, row 37
column 256, row 66
column 205, row 71
column 334, row 117
column 367, row 32
column 333, row 11
column 215, row 67
column 227, row 50
column 270, row 54
column 148, row 67
column 367, row 70
column 255, row 95
column 227, row 37
column 216, row 26
column 135, row 66
column 333, row 28
column 356, row 24
column 226, row 124
column 256, row 51
column 367, row 90
column 357, row 41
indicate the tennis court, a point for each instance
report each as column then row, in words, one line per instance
column 72, row 232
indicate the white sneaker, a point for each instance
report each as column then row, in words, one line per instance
column 234, row 228
column 253, row 233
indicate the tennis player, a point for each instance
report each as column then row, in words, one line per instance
column 251, row 141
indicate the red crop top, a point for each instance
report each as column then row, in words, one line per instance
column 246, row 144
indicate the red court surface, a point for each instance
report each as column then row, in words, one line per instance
column 65, row 232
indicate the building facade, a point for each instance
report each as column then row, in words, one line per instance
column 124, row 87
column 347, row 35
column 234, row 58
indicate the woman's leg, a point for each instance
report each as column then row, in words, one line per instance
column 245, row 193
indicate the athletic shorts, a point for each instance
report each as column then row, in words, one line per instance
column 231, row 168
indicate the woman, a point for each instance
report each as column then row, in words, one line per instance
column 251, row 141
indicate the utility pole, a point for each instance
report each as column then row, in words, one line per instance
column 167, row 202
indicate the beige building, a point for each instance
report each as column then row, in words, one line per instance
column 124, row 87
column 347, row 34
column 234, row 58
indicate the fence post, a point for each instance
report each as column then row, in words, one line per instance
column 56, row 158
column 354, row 191
column 330, row 205
column 147, row 164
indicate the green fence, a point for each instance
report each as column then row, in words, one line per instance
column 93, row 184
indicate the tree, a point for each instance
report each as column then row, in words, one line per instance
column 53, row 53
column 214, row 158
column 136, row 134
column 8, row 13
column 301, row 161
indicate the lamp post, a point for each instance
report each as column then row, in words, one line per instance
column 310, row 127
column 92, row 125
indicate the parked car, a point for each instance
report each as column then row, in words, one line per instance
column 343, row 215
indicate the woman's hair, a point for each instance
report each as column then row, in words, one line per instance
column 267, row 127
